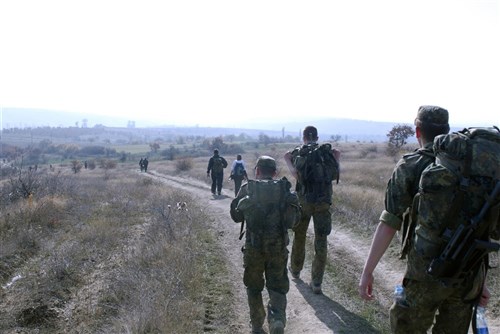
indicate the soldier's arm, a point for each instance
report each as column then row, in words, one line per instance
column 210, row 164
column 236, row 215
column 381, row 241
column 336, row 154
column 288, row 159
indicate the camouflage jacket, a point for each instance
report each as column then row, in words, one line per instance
column 403, row 185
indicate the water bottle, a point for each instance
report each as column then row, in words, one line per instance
column 481, row 325
column 400, row 295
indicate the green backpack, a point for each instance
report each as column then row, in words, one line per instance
column 219, row 165
column 269, row 208
column 317, row 168
column 457, row 207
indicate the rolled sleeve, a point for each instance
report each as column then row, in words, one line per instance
column 391, row 220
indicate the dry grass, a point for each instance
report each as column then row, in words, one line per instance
column 106, row 254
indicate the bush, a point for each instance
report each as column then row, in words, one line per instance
column 91, row 164
column 183, row 165
column 108, row 164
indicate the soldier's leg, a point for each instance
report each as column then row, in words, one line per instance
column 454, row 315
column 416, row 314
column 214, row 183
column 277, row 284
column 257, row 312
column 237, row 185
column 220, row 178
column 299, row 241
column 253, row 278
column 322, row 228
column 276, row 310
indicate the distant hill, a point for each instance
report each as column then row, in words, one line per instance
column 349, row 129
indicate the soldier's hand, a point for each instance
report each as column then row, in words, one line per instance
column 336, row 153
column 485, row 296
column 365, row 287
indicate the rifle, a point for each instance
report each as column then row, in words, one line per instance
column 455, row 258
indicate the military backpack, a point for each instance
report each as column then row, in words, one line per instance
column 317, row 168
column 219, row 164
column 456, row 210
column 269, row 209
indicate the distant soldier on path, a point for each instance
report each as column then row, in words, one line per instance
column 215, row 168
column 315, row 167
column 238, row 173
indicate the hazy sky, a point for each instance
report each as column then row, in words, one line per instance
column 221, row 62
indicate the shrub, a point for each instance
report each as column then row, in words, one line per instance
column 91, row 164
column 76, row 166
column 184, row 165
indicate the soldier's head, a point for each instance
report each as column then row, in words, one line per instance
column 310, row 134
column 430, row 122
column 238, row 157
column 216, row 152
column 265, row 167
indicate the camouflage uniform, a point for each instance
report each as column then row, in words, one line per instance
column 424, row 294
column 217, row 176
column 322, row 218
column 265, row 254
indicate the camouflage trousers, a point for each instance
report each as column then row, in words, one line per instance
column 217, row 179
column 268, row 261
column 429, row 301
column 322, row 219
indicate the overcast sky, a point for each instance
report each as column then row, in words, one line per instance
column 222, row 62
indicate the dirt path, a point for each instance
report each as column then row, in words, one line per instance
column 306, row 312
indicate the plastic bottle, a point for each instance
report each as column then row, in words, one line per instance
column 481, row 324
column 400, row 295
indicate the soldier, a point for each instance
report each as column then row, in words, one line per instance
column 238, row 173
column 428, row 296
column 141, row 164
column 215, row 168
column 145, row 163
column 265, row 252
column 315, row 202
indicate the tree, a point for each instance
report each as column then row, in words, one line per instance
column 335, row 138
column 154, row 147
column 76, row 166
column 399, row 134
column 218, row 143
column 397, row 138
column 264, row 139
